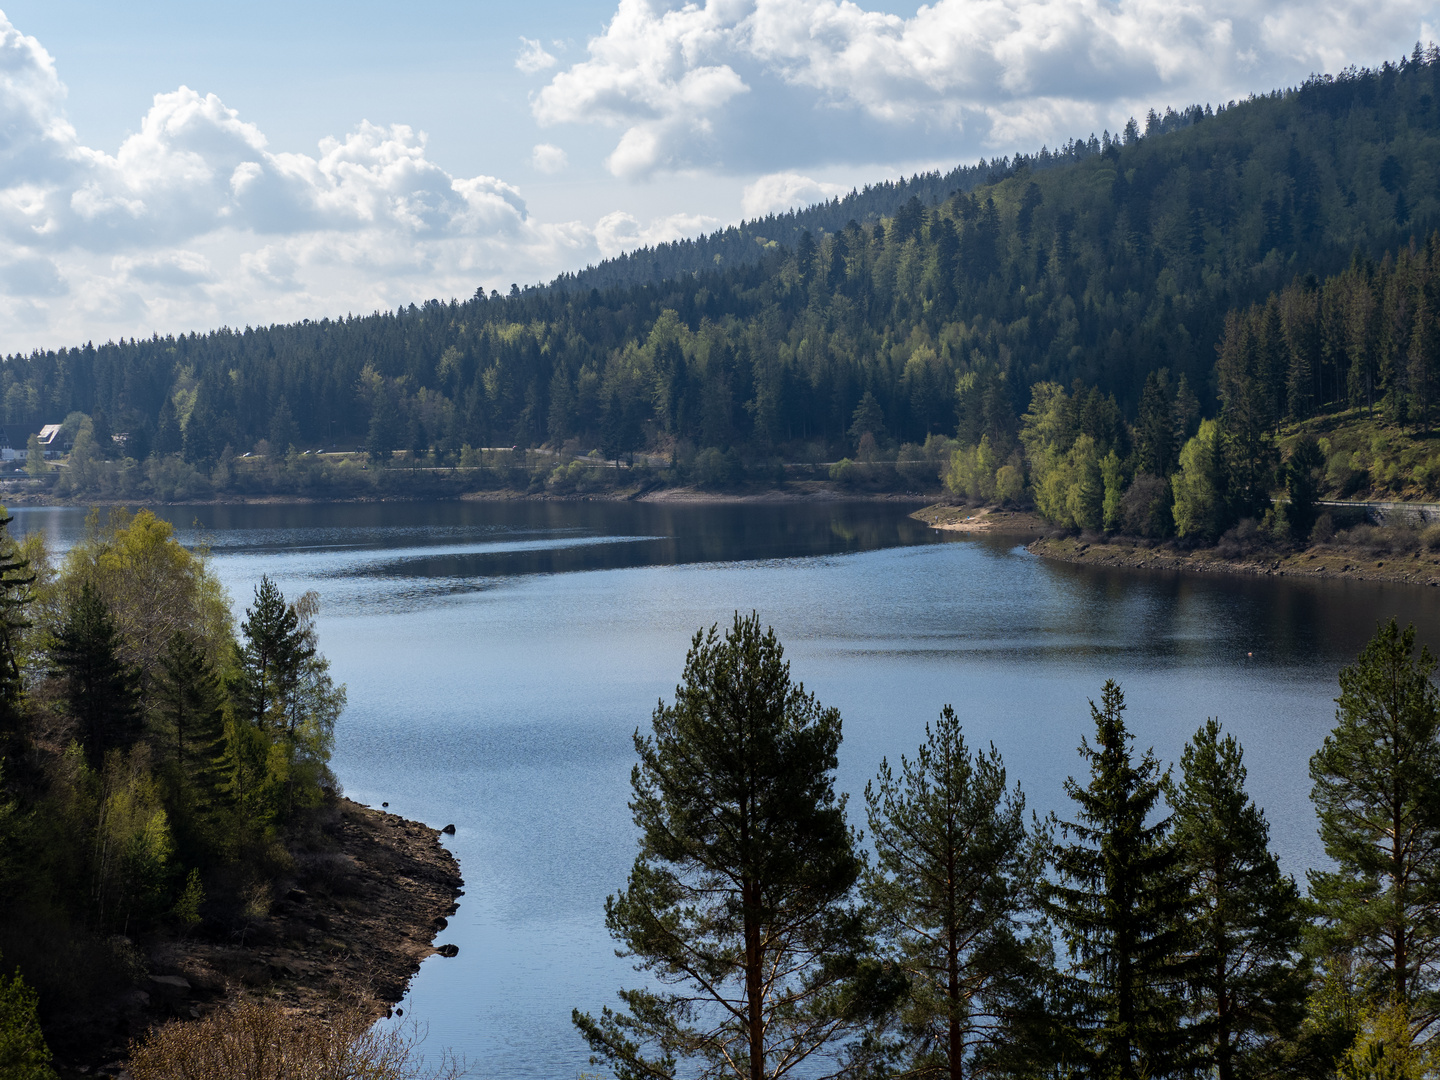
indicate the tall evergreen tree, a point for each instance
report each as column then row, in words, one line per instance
column 950, row 889
column 1121, row 903
column 1247, row 988
column 190, row 704
column 738, row 903
column 270, row 657
column 100, row 689
column 1376, row 789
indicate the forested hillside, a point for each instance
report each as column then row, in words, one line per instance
column 1124, row 258
column 749, row 241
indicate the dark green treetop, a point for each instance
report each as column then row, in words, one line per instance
column 1121, row 903
column 1247, row 986
column 950, row 891
column 1376, row 786
column 100, row 689
column 738, row 903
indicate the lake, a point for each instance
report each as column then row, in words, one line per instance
column 499, row 657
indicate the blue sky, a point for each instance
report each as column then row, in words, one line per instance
column 171, row 166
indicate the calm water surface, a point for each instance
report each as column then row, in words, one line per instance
column 500, row 656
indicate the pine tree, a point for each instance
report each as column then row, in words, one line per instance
column 1247, row 988
column 1122, row 906
column 1376, row 786
column 737, row 905
column 953, row 873
column 100, row 689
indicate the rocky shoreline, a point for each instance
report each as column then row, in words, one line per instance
column 1318, row 562
column 350, row 925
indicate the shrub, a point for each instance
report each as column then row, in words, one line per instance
column 1430, row 537
column 843, row 471
column 260, row 1041
column 23, row 1053
column 716, row 469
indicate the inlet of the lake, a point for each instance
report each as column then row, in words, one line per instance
column 500, row 656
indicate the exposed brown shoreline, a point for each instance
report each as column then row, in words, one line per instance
column 1320, row 562
column 351, row 926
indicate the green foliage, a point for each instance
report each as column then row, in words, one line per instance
column 1201, row 489
column 1375, row 788
column 187, row 905
column 737, row 905
column 285, row 707
column 951, row 891
column 1248, row 988
column 1122, row 905
column 23, row 1053
column 100, row 688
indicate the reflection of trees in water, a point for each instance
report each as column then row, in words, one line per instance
column 645, row 534
column 1174, row 615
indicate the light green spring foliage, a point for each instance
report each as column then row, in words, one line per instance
column 1199, row 486
column 23, row 1053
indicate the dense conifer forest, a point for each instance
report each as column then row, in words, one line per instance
column 1109, row 261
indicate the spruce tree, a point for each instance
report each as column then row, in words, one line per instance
column 1247, row 989
column 1376, row 789
column 190, row 703
column 738, row 903
column 100, row 689
column 950, row 889
column 270, row 658
column 1122, row 906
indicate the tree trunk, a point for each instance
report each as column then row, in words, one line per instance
column 749, row 892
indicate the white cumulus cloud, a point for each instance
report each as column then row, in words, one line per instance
column 780, row 191
column 986, row 70
column 619, row 231
column 548, row 159
column 533, row 58
column 196, row 220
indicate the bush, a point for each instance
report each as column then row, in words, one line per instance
column 260, row 1041
column 843, row 471
column 1430, row 537
column 1009, row 485
column 1146, row 508
column 716, row 469
column 23, row 1053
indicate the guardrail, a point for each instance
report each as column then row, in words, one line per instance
column 1381, row 512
